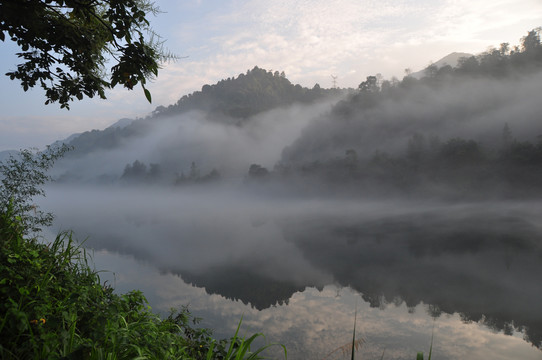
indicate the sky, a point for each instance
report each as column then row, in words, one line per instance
column 310, row 40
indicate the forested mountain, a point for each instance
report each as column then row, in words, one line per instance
column 419, row 190
column 452, row 60
column 469, row 129
column 247, row 95
column 230, row 101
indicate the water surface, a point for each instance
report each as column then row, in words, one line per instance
column 296, row 269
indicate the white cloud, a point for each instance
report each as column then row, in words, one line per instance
column 308, row 39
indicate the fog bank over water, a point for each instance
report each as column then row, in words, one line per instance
column 473, row 258
column 479, row 261
column 183, row 229
column 413, row 195
column 456, row 137
column 315, row 322
column 175, row 142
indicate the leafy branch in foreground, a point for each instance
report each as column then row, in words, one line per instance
column 66, row 44
column 21, row 179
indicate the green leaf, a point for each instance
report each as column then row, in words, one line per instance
column 148, row 95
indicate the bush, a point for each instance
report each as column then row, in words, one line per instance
column 21, row 179
column 56, row 308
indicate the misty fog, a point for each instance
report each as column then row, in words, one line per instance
column 467, row 258
column 175, row 142
column 472, row 108
column 303, row 146
column 412, row 193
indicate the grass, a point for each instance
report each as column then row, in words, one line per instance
column 419, row 356
column 55, row 307
column 355, row 345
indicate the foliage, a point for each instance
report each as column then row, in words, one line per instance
column 240, row 347
column 66, row 43
column 456, row 168
column 55, row 307
column 419, row 356
column 248, row 94
column 21, row 177
column 232, row 100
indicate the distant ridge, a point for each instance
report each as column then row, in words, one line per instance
column 450, row 59
column 121, row 124
column 232, row 101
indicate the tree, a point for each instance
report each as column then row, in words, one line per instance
column 21, row 178
column 370, row 85
column 531, row 42
column 135, row 172
column 66, row 43
column 257, row 172
column 431, row 70
column 458, row 152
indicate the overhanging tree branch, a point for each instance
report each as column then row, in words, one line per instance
column 74, row 37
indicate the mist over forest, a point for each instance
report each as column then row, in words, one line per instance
column 430, row 180
column 472, row 130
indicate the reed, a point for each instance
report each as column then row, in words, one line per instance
column 419, row 356
column 349, row 347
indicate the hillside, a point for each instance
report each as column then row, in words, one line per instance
column 468, row 130
column 230, row 101
column 451, row 59
column 249, row 94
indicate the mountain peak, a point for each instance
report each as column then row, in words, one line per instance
column 451, row 59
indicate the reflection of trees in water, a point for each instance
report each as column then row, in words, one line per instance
column 485, row 268
column 238, row 283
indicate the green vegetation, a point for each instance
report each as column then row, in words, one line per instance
column 54, row 304
column 424, row 160
column 66, row 45
column 21, row 178
column 55, row 307
column 249, row 94
column 231, row 101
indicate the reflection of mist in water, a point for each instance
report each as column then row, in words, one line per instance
column 481, row 260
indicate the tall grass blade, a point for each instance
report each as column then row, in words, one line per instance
column 234, row 339
column 431, row 347
column 210, row 352
column 354, row 333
